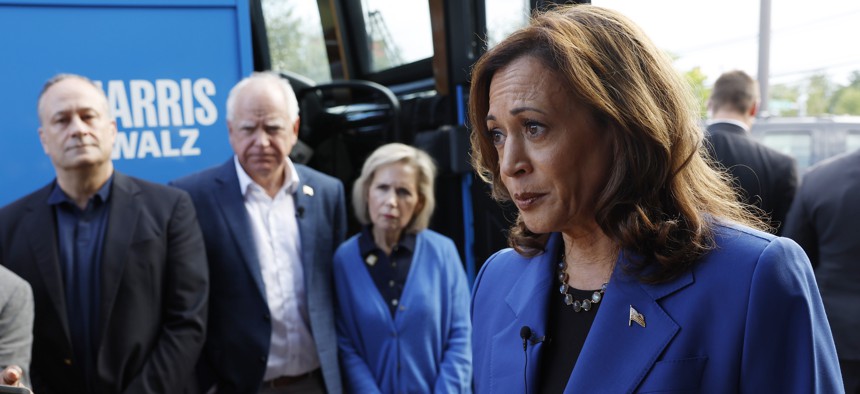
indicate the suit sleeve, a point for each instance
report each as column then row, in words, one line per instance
column 16, row 327
column 785, row 194
column 340, row 217
column 788, row 346
column 799, row 227
column 185, row 302
column 455, row 372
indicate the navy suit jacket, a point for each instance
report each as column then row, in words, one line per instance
column 823, row 220
column 154, row 287
column 237, row 345
column 767, row 178
column 747, row 318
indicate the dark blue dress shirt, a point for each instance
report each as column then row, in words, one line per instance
column 388, row 272
column 80, row 238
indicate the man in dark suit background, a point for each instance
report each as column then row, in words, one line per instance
column 823, row 220
column 763, row 176
column 271, row 228
column 117, row 264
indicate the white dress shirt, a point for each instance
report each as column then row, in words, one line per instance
column 732, row 121
column 278, row 243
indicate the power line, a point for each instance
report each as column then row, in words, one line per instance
column 853, row 62
column 735, row 40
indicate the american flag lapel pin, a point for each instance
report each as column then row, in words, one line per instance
column 636, row 317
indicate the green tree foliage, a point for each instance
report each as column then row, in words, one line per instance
column 293, row 45
column 846, row 100
column 818, row 92
column 696, row 78
column 817, row 96
column 848, row 103
column 784, row 100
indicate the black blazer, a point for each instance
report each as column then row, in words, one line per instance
column 823, row 220
column 154, row 289
column 766, row 178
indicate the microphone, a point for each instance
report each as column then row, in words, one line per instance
column 300, row 211
column 526, row 334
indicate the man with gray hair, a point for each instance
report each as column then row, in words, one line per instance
column 117, row 264
column 271, row 227
column 763, row 176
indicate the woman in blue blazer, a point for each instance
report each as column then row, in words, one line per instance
column 402, row 297
column 634, row 268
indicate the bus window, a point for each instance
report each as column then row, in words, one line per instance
column 504, row 17
column 794, row 144
column 852, row 142
column 295, row 37
column 398, row 32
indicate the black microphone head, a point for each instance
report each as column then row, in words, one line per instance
column 525, row 332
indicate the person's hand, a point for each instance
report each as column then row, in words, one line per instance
column 11, row 376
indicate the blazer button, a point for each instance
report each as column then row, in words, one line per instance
column 267, row 317
column 67, row 361
column 262, row 359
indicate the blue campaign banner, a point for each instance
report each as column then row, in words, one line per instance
column 166, row 67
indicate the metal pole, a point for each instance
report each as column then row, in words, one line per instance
column 764, row 57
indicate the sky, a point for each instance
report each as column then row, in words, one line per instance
column 807, row 37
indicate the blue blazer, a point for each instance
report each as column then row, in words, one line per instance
column 426, row 347
column 747, row 318
column 239, row 331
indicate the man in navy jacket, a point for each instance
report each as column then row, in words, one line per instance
column 271, row 228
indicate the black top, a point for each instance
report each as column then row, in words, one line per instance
column 566, row 330
column 388, row 272
column 80, row 240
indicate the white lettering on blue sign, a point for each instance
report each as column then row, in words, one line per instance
column 143, row 144
column 175, row 107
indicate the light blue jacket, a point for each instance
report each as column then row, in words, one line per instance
column 747, row 318
column 425, row 348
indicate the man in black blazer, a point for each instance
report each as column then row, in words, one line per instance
column 763, row 176
column 823, row 220
column 117, row 264
column 271, row 228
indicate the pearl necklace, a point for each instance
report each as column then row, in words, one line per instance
column 583, row 305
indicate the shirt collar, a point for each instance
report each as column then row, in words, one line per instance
column 58, row 196
column 366, row 244
column 731, row 121
column 245, row 181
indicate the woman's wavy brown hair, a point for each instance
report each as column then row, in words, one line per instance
column 662, row 196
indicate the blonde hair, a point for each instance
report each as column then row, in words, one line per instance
column 398, row 153
column 662, row 194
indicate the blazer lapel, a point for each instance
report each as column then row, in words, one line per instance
column 41, row 231
column 122, row 225
column 307, row 205
column 618, row 353
column 229, row 198
column 528, row 300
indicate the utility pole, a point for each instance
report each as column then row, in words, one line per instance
column 764, row 57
